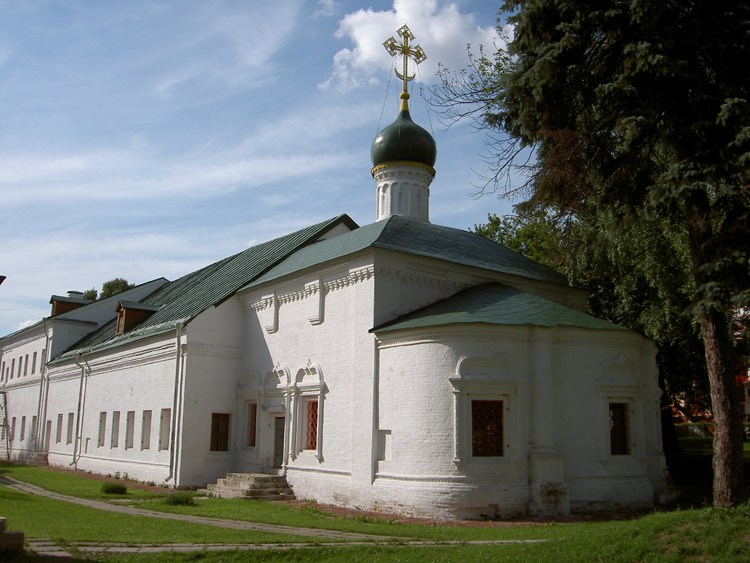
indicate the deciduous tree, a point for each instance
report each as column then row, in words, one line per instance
column 639, row 109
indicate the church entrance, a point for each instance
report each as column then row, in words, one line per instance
column 278, row 442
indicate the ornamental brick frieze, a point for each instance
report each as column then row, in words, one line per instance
column 233, row 352
column 310, row 289
column 421, row 280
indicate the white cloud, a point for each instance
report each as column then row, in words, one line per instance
column 442, row 31
column 228, row 43
column 24, row 324
column 326, row 8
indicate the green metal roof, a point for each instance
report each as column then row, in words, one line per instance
column 186, row 297
column 63, row 299
column 498, row 304
column 413, row 236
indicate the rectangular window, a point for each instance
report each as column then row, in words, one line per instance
column 115, row 440
column 164, row 423
column 146, row 430
column 12, row 367
column 58, row 435
column 219, row 432
column 252, row 415
column 13, row 429
column 120, row 328
column 69, row 433
column 20, row 365
column 619, row 428
column 129, row 429
column 102, row 429
column 2, row 372
column 487, row 428
column 26, row 365
column 33, row 363
column 311, row 426
column 42, row 359
column 23, row 428
column 33, row 427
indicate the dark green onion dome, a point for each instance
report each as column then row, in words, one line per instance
column 404, row 141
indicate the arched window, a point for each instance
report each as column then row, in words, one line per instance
column 308, row 398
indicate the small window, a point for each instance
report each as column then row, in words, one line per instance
column 23, row 428
column 12, row 367
column 252, row 415
column 619, row 428
column 146, row 430
column 69, row 433
column 13, row 429
column 219, row 432
column 120, row 322
column 33, row 427
column 58, row 434
column 20, row 365
column 33, row 363
column 311, row 426
column 115, row 440
column 26, row 365
column 102, row 429
column 129, row 429
column 164, row 423
column 487, row 428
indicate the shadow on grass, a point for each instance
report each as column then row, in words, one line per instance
column 29, row 557
column 693, row 474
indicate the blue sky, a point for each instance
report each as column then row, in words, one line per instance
column 142, row 139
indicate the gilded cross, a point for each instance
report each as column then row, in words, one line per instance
column 406, row 50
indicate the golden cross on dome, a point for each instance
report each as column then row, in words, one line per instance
column 414, row 52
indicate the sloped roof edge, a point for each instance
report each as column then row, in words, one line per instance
column 498, row 304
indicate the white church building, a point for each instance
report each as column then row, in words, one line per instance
column 399, row 366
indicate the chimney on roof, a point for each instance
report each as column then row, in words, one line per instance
column 75, row 294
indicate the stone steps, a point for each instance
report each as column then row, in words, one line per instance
column 255, row 486
column 39, row 459
column 9, row 540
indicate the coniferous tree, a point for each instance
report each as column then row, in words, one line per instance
column 638, row 111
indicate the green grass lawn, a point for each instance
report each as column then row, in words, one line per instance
column 695, row 535
column 704, row 533
column 68, row 484
column 40, row 517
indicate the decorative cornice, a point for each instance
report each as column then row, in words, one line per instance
column 420, row 280
column 519, row 480
column 509, row 333
column 402, row 165
column 573, row 478
column 110, row 363
column 308, row 469
column 354, row 276
column 215, row 351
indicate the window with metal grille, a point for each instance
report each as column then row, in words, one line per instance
column 311, row 434
column 252, row 414
column 487, row 428
column 219, row 432
column 619, row 428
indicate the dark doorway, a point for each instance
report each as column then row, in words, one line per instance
column 278, row 442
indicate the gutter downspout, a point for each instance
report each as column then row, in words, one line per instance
column 42, row 372
column 77, row 442
column 177, row 393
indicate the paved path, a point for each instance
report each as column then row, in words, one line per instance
column 44, row 546
column 218, row 522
